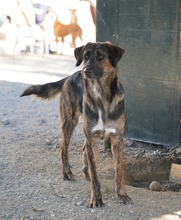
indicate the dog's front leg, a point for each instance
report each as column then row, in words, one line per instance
column 96, row 197
column 118, row 153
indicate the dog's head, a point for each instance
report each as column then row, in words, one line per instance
column 98, row 58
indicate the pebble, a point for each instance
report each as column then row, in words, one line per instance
column 79, row 203
column 155, row 186
column 5, row 121
column 48, row 142
column 43, row 121
column 57, row 145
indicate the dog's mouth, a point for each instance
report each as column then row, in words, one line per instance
column 91, row 75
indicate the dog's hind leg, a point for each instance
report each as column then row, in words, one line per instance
column 66, row 171
column 69, row 120
column 85, row 162
column 62, row 46
column 67, row 130
column 80, row 36
column 74, row 36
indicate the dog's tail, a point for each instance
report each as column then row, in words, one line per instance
column 45, row 91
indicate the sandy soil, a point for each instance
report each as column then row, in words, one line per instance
column 31, row 186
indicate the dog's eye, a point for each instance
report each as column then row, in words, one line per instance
column 100, row 57
column 87, row 55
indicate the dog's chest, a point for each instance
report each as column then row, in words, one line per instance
column 100, row 125
column 102, row 110
column 96, row 92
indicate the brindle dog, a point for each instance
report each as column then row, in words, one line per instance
column 96, row 93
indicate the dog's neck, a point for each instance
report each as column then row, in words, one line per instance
column 102, row 89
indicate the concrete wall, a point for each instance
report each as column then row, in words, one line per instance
column 149, row 31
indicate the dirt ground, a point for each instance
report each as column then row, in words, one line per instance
column 31, row 186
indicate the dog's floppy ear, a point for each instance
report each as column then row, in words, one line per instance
column 78, row 53
column 115, row 53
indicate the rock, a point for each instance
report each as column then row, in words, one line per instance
column 178, row 150
column 155, row 186
column 57, row 145
column 79, row 203
column 48, row 142
column 43, row 121
column 5, row 121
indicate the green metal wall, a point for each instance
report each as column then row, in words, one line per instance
column 149, row 31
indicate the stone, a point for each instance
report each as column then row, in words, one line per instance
column 155, row 186
column 5, row 121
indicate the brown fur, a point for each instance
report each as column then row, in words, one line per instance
column 96, row 93
column 62, row 30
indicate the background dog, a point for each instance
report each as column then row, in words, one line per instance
column 96, row 93
column 63, row 30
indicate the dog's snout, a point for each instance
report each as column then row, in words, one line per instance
column 87, row 71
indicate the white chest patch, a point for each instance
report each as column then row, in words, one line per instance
column 101, row 127
column 110, row 130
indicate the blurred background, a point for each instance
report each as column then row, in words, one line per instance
column 28, row 26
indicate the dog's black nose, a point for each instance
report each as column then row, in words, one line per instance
column 88, row 73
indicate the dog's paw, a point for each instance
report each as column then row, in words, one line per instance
column 123, row 196
column 125, row 199
column 96, row 203
column 68, row 176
